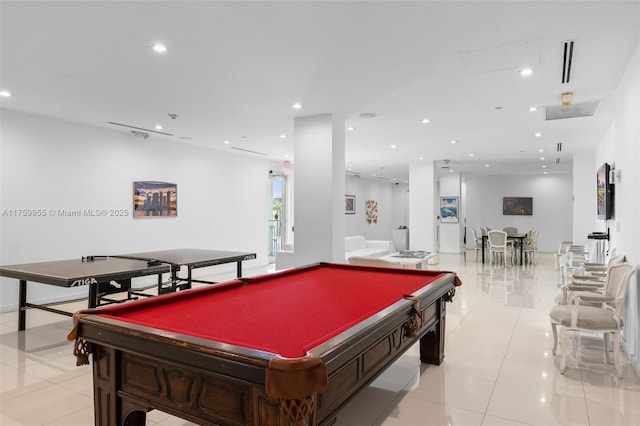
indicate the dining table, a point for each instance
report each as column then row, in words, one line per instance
column 519, row 237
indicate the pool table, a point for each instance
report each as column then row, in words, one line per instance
column 288, row 348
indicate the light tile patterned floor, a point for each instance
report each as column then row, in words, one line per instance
column 498, row 368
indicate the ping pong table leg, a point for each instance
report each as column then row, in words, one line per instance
column 93, row 295
column 239, row 269
column 22, row 305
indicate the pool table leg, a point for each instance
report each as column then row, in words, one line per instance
column 109, row 409
column 432, row 343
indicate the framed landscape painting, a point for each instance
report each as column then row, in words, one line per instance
column 449, row 209
column 155, row 199
column 517, row 206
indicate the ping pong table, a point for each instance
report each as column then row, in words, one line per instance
column 106, row 275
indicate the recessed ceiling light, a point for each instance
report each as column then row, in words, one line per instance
column 454, row 141
column 374, row 174
column 486, row 165
column 533, row 109
column 542, row 158
column 450, row 170
column 470, row 155
column 6, row 94
column 420, row 158
column 393, row 146
column 351, row 128
column 159, row 47
column 425, row 120
column 544, row 166
column 158, row 127
column 297, row 105
column 227, row 142
column 546, row 173
column 526, row 72
column 349, row 169
column 537, row 135
column 283, row 136
column 541, row 150
column 286, row 156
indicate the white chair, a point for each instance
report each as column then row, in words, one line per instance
column 530, row 246
column 499, row 247
column 563, row 246
column 510, row 230
column 597, row 313
column 585, row 284
column 477, row 236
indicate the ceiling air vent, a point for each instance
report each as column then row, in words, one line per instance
column 557, row 160
column 566, row 61
column 559, row 147
column 248, row 150
column 585, row 109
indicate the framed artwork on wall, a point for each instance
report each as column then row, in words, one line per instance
column 371, row 211
column 449, row 209
column 517, row 206
column 350, row 204
column 155, row 199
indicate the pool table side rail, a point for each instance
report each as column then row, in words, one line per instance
column 123, row 335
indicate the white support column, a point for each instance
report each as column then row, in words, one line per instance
column 319, row 189
column 450, row 233
column 422, row 212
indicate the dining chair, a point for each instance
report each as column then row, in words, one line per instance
column 510, row 230
column 530, row 246
column 477, row 236
column 499, row 247
column 596, row 313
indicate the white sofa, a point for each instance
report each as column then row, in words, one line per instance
column 354, row 246
column 357, row 246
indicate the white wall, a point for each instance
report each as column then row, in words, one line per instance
column 620, row 147
column 50, row 164
column 386, row 194
column 552, row 206
column 584, row 197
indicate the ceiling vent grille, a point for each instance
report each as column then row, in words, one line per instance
column 557, row 160
column 566, row 61
column 139, row 128
column 559, row 147
column 585, row 109
column 248, row 150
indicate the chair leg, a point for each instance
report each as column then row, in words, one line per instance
column 563, row 348
column 555, row 338
column 607, row 341
column 616, row 353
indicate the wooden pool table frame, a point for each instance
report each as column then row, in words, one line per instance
column 137, row 369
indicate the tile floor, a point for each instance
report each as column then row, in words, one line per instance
column 498, row 369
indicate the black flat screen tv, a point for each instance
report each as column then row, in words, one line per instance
column 604, row 192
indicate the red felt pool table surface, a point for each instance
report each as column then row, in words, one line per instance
column 285, row 313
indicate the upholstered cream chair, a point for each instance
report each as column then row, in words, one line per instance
column 477, row 237
column 585, row 284
column 530, row 246
column 510, row 230
column 596, row 313
column 499, row 247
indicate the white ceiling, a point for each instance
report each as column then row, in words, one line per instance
column 233, row 70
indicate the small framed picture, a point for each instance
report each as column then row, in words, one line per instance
column 449, row 209
column 350, row 204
